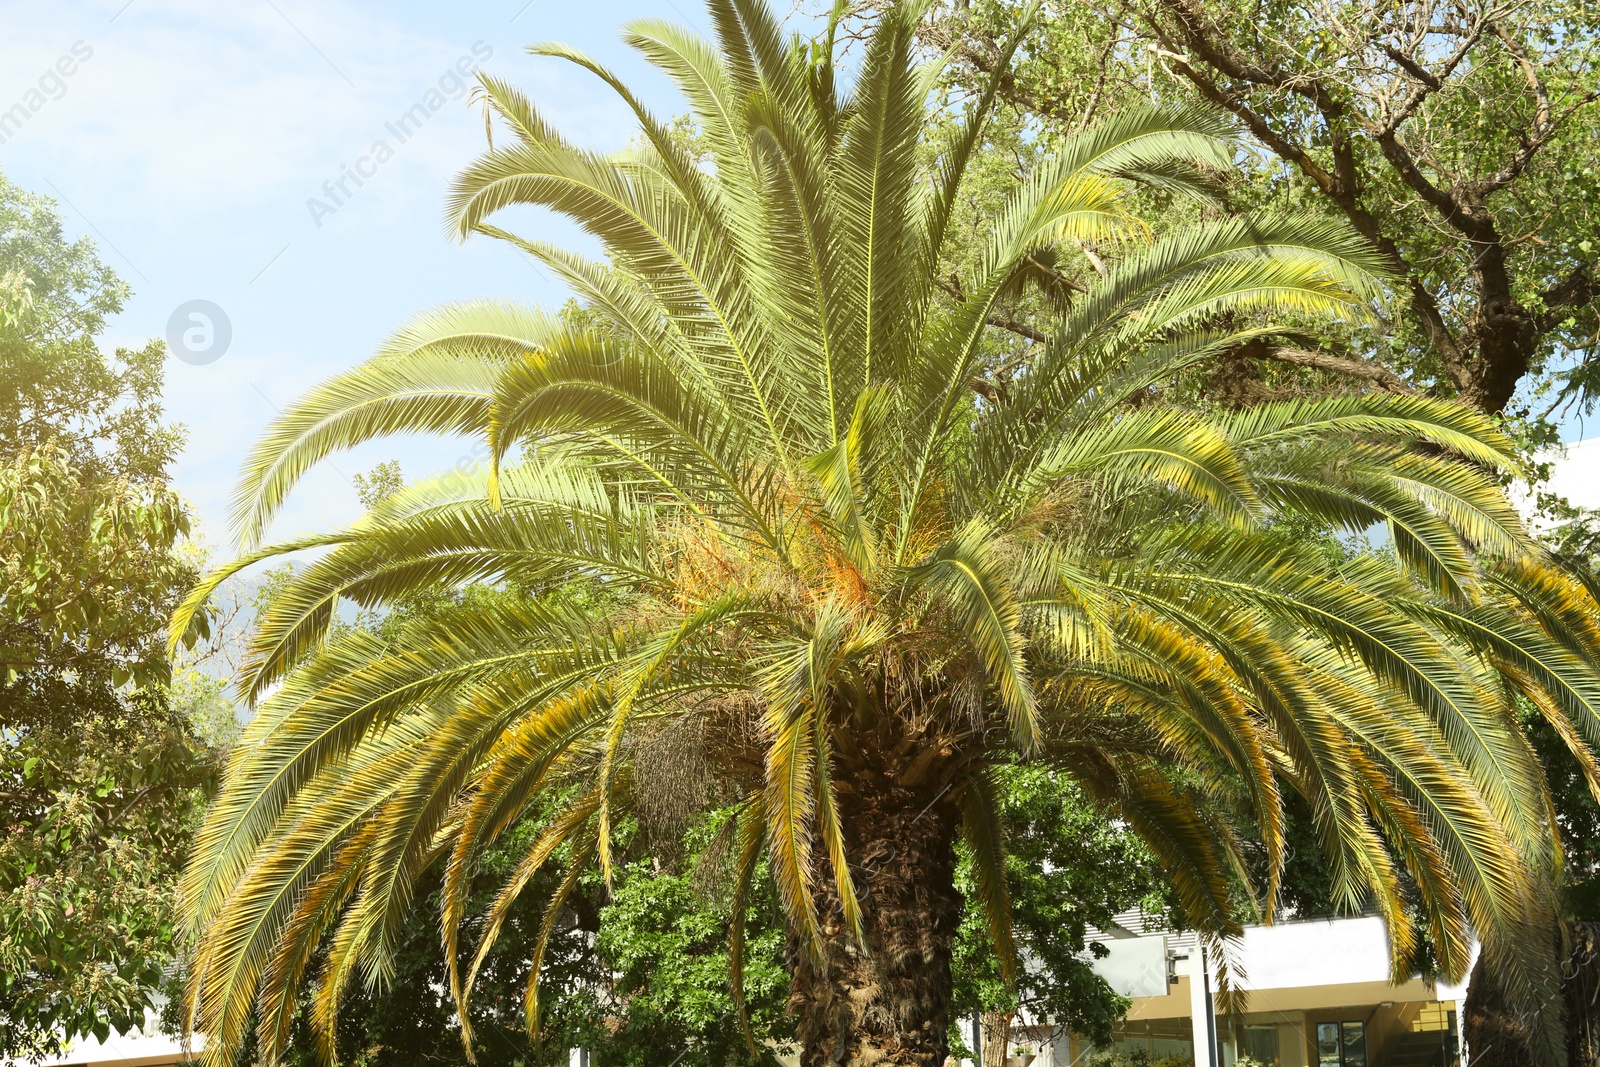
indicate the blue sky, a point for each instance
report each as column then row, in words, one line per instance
column 195, row 136
column 190, row 140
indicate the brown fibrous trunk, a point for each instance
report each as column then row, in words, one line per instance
column 1580, row 989
column 1497, row 1033
column 996, row 1037
column 888, row 1003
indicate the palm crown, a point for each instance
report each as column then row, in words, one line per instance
column 809, row 530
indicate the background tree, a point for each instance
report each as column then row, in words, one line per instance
column 1067, row 870
column 1456, row 137
column 104, row 763
column 55, row 383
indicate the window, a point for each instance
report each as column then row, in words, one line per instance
column 1342, row 1044
column 1261, row 1045
column 1355, row 1044
column 1153, row 1041
column 1327, row 1045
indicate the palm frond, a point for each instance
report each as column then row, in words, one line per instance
column 981, row 825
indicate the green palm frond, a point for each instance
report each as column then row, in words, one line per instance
column 981, row 825
column 434, row 376
column 987, row 615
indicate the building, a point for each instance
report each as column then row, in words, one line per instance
column 1317, row 995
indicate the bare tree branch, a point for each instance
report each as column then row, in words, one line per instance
column 1021, row 329
column 1348, row 366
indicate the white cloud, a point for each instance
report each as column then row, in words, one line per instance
column 201, row 106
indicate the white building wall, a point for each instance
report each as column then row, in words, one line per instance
column 1296, row 955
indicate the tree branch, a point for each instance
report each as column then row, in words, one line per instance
column 1349, row 366
column 1577, row 289
column 1430, row 82
column 1021, row 329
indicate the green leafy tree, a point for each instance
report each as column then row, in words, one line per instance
column 105, row 761
column 854, row 576
column 663, row 935
column 87, row 520
column 1067, row 869
column 1454, row 137
column 100, row 791
column 90, row 569
column 57, row 389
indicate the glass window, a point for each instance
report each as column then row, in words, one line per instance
column 1355, row 1044
column 1154, row 1041
column 1327, row 1045
column 1341, row 1044
column 1261, row 1044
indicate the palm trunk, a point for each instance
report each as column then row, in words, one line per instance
column 1580, row 987
column 890, row 1005
column 1496, row 1033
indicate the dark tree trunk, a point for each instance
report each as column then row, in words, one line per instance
column 890, row 1005
column 1497, row 1035
column 1580, row 986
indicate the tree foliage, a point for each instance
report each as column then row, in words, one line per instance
column 1069, row 871
column 90, row 569
column 104, row 761
column 56, row 386
column 100, row 791
column 1457, row 138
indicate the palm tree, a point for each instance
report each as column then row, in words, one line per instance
column 774, row 504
